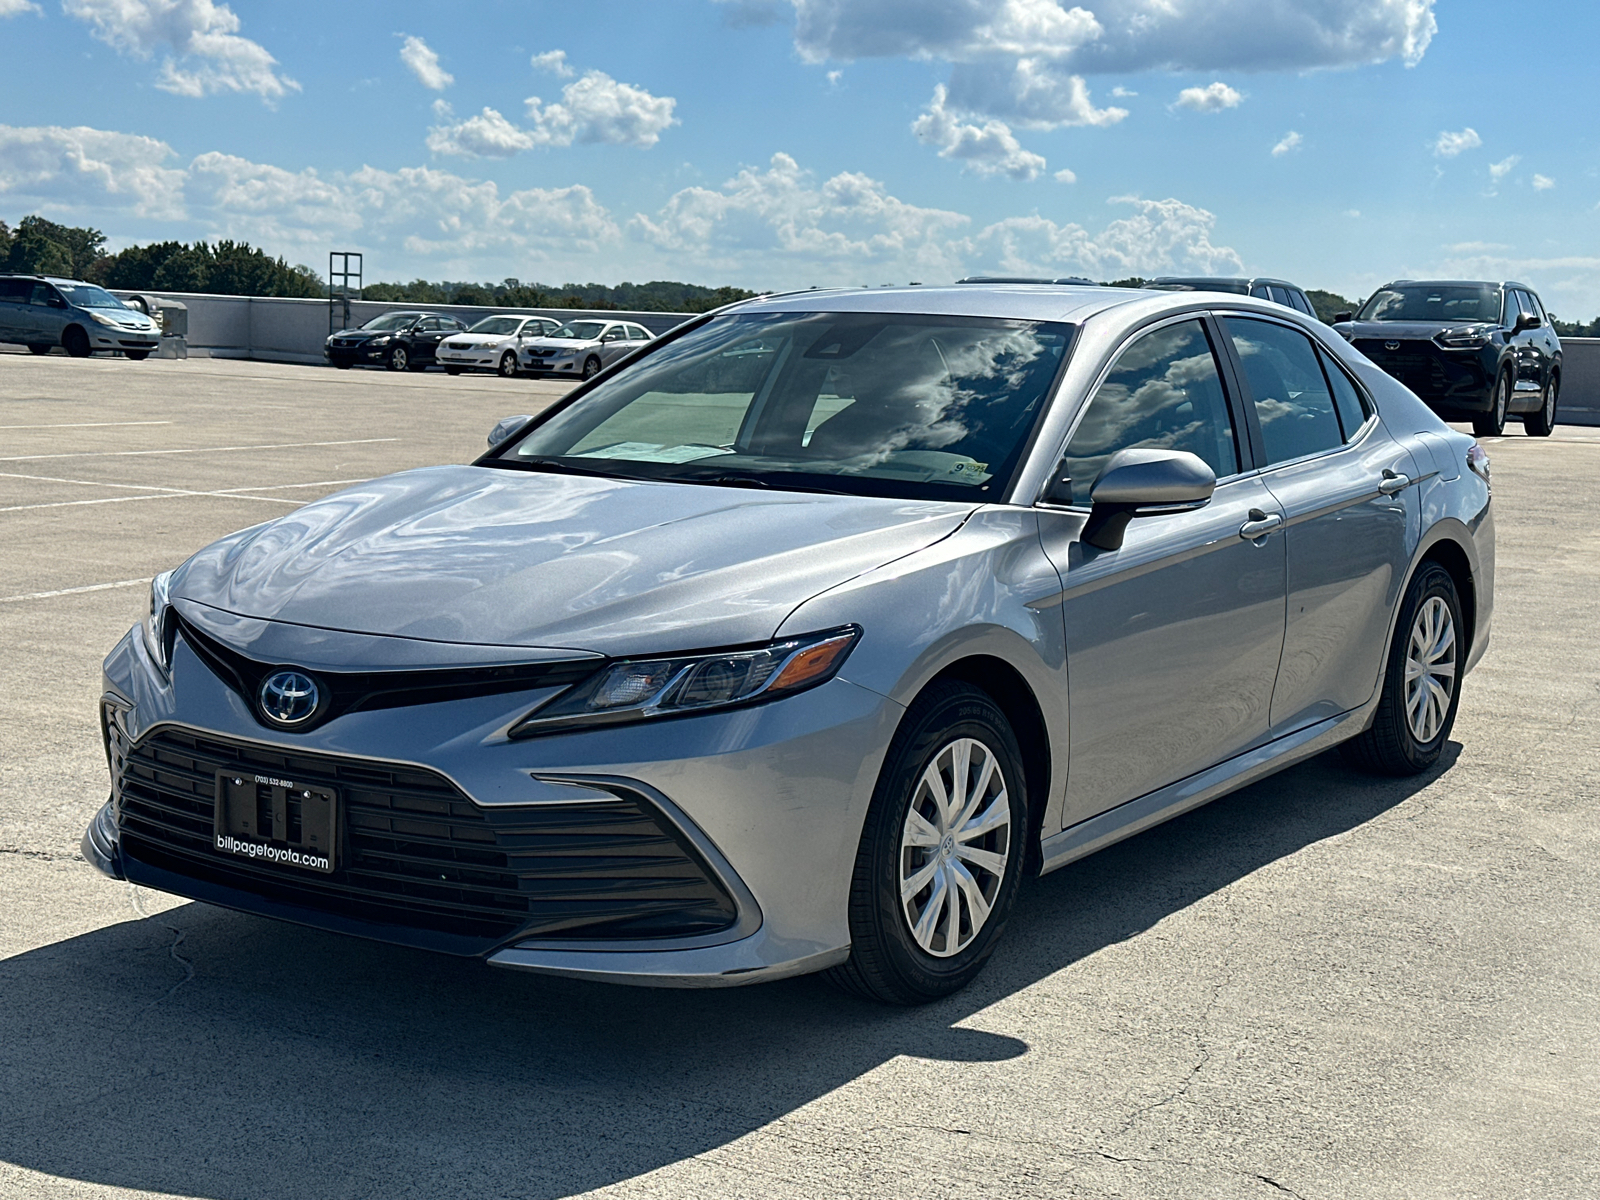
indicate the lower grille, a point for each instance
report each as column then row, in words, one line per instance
column 419, row 857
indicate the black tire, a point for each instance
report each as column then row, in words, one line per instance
column 137, row 355
column 1493, row 422
column 591, row 367
column 1543, row 422
column 75, row 342
column 452, row 370
column 1390, row 745
column 398, row 359
column 886, row 962
column 340, row 364
column 39, row 348
column 508, row 365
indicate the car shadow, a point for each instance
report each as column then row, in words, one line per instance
column 211, row 1054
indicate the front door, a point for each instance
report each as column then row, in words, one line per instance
column 1172, row 640
column 1346, row 490
column 45, row 316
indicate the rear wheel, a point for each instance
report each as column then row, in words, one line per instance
column 1493, row 422
column 1421, row 684
column 941, row 853
column 591, row 367
column 1543, row 422
column 399, row 360
column 452, row 370
column 75, row 341
column 37, row 348
column 508, row 365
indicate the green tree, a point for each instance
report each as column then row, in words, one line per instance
column 1328, row 304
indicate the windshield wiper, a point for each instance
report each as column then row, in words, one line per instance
column 557, row 466
column 752, row 481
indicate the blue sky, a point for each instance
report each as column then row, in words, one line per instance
column 784, row 143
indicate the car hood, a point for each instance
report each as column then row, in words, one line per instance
column 550, row 343
column 500, row 557
column 1408, row 331
column 480, row 339
column 365, row 334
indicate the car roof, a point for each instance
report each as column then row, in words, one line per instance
column 1497, row 283
column 1016, row 301
column 1214, row 281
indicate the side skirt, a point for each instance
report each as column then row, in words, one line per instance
column 1135, row 816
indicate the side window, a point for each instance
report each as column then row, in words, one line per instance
column 1280, row 296
column 43, row 293
column 1527, row 304
column 635, row 333
column 1164, row 392
column 1290, row 392
column 1511, row 309
column 1261, row 291
column 15, row 291
column 1347, row 400
column 1299, row 301
column 1529, row 299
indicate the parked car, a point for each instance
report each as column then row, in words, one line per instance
column 1473, row 351
column 582, row 349
column 796, row 641
column 43, row 311
column 401, row 341
column 492, row 344
column 1279, row 291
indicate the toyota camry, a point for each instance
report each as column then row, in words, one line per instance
column 796, row 641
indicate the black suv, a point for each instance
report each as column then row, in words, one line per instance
column 1279, row 291
column 401, row 341
column 1473, row 351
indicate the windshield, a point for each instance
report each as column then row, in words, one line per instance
column 584, row 331
column 1433, row 302
column 391, row 321
column 86, row 295
column 499, row 326
column 919, row 407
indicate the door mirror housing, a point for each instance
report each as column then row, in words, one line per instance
column 1526, row 320
column 505, row 428
column 1144, row 483
column 1340, row 317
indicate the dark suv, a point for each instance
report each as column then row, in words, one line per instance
column 401, row 341
column 1473, row 351
column 1279, row 291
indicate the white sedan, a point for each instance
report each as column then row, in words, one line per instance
column 492, row 344
column 583, row 348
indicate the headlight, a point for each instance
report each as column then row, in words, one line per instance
column 1463, row 339
column 102, row 319
column 157, row 619
column 660, row 687
column 380, row 341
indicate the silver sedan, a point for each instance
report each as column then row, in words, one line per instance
column 582, row 349
column 798, row 641
column 492, row 344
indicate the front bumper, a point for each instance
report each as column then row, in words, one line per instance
column 356, row 352
column 1451, row 380
column 487, row 359
column 772, row 797
column 551, row 366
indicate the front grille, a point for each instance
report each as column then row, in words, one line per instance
column 1414, row 364
column 419, row 857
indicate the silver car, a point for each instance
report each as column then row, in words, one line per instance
column 492, row 344
column 582, row 349
column 798, row 641
column 42, row 312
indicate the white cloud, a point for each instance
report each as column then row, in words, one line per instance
column 15, row 8
column 834, row 77
column 1122, row 93
column 1291, row 141
column 554, row 61
column 207, row 54
column 989, row 149
column 84, row 169
column 1160, row 236
column 1353, row 213
column 424, row 64
column 1499, row 170
column 1030, row 92
column 1448, row 145
column 1214, row 97
column 1568, row 285
column 1543, row 183
column 487, row 135
column 1065, row 176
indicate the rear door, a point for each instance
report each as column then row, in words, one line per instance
column 1351, row 517
column 14, row 295
column 1541, row 342
column 1172, row 640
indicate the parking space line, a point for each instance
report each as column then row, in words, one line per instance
column 195, row 450
column 163, row 496
column 74, row 591
column 85, row 425
column 150, row 487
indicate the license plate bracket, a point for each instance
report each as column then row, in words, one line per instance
column 277, row 821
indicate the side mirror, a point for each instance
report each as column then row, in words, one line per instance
column 504, row 429
column 1343, row 316
column 1144, row 483
column 1526, row 321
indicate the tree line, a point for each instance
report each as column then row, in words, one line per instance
column 38, row 246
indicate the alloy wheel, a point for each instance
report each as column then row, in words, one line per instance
column 1502, row 401
column 1430, row 669
column 508, row 365
column 954, row 846
column 397, row 359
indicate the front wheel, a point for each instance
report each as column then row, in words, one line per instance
column 76, row 342
column 508, row 365
column 137, row 355
column 591, row 367
column 38, row 348
column 1543, row 422
column 452, row 370
column 399, row 360
column 1422, row 682
column 941, row 854
column 1493, row 422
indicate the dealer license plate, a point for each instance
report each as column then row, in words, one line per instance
column 277, row 821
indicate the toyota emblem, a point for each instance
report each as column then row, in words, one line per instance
column 1391, row 345
column 288, row 698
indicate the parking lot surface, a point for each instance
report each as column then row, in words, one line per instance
column 1327, row 985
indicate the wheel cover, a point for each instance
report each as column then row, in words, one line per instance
column 398, row 358
column 508, row 365
column 1430, row 669
column 954, row 847
column 591, row 369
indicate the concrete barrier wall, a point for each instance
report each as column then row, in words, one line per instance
column 280, row 330
column 1580, row 382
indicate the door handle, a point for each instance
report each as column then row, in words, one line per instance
column 1393, row 482
column 1260, row 524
